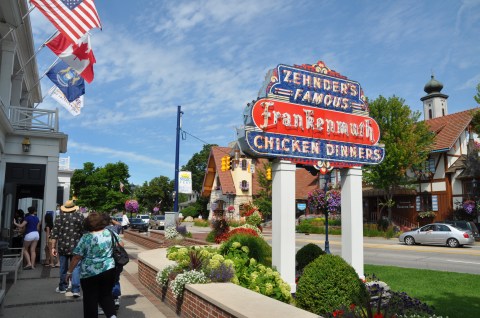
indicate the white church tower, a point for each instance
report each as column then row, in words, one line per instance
column 434, row 103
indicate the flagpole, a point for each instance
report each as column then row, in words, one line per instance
column 35, row 54
column 48, row 69
column 13, row 29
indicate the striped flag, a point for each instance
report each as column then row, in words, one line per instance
column 73, row 18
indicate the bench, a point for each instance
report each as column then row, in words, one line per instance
column 3, row 291
column 13, row 262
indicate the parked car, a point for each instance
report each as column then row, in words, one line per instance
column 144, row 217
column 138, row 224
column 465, row 225
column 157, row 222
column 438, row 234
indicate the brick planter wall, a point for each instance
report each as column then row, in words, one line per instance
column 154, row 240
column 191, row 306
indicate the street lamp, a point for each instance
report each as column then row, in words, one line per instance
column 325, row 169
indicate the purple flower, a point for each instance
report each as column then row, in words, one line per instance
column 469, row 206
column 131, row 206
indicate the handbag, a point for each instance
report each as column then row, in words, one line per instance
column 118, row 252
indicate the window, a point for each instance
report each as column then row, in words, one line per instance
column 426, row 170
column 430, row 116
column 244, row 185
column 244, row 164
column 217, row 187
column 426, row 202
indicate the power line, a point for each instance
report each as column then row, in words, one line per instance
column 206, row 143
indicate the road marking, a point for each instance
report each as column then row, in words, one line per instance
column 449, row 260
column 421, row 249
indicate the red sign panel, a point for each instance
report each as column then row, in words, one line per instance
column 280, row 117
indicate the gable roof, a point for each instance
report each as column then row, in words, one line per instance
column 448, row 129
column 214, row 165
column 304, row 181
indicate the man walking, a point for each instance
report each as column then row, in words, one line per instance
column 67, row 231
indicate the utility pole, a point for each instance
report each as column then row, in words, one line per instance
column 177, row 153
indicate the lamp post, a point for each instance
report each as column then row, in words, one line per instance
column 325, row 169
column 475, row 194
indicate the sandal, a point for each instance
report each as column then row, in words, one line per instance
column 28, row 267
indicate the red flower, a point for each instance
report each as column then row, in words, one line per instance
column 338, row 313
column 378, row 315
column 352, row 307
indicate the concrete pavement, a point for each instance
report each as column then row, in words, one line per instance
column 33, row 295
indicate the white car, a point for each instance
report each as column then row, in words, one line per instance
column 145, row 218
column 439, row 234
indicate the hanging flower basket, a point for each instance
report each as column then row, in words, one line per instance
column 131, row 206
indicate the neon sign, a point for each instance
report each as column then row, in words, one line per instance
column 276, row 145
column 311, row 113
column 285, row 118
column 316, row 86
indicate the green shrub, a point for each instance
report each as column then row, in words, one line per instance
column 235, row 223
column 201, row 222
column 259, row 249
column 329, row 283
column 307, row 254
column 210, row 237
column 190, row 211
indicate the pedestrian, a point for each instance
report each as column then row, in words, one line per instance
column 49, row 258
column 125, row 221
column 18, row 233
column 31, row 223
column 116, row 290
column 94, row 253
column 67, row 231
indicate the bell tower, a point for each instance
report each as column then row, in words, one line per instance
column 434, row 103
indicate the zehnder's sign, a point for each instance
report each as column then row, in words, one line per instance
column 308, row 117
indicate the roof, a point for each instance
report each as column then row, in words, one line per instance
column 449, row 128
column 304, row 181
column 214, row 165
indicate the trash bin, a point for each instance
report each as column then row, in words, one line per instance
column 3, row 247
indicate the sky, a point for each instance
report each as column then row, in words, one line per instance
column 211, row 57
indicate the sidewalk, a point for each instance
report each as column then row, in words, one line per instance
column 34, row 294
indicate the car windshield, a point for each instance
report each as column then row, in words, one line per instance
column 161, row 217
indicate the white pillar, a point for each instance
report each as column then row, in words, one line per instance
column 7, row 49
column 352, row 219
column 283, row 220
column 49, row 198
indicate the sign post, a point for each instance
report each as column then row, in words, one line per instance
column 307, row 115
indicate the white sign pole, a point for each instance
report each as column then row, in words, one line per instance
column 352, row 219
column 283, row 220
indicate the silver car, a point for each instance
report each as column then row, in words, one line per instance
column 438, row 234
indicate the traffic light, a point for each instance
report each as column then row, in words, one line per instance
column 228, row 163
column 269, row 174
column 224, row 163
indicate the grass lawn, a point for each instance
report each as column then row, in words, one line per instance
column 451, row 294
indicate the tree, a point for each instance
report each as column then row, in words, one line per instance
column 407, row 143
column 157, row 192
column 99, row 188
column 264, row 198
column 197, row 165
column 477, row 97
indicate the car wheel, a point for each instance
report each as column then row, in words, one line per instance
column 409, row 240
column 452, row 242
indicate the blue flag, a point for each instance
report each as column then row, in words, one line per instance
column 67, row 80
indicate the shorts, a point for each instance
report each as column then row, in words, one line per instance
column 32, row 236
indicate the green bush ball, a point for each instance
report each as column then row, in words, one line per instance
column 307, row 254
column 328, row 283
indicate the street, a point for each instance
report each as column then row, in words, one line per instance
column 380, row 251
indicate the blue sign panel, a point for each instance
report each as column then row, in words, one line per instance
column 283, row 146
column 315, row 89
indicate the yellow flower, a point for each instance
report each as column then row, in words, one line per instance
column 252, row 262
column 236, row 244
column 245, row 249
column 268, row 288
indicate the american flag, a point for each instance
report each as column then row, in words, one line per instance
column 71, row 17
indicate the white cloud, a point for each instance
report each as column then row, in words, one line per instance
column 118, row 154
